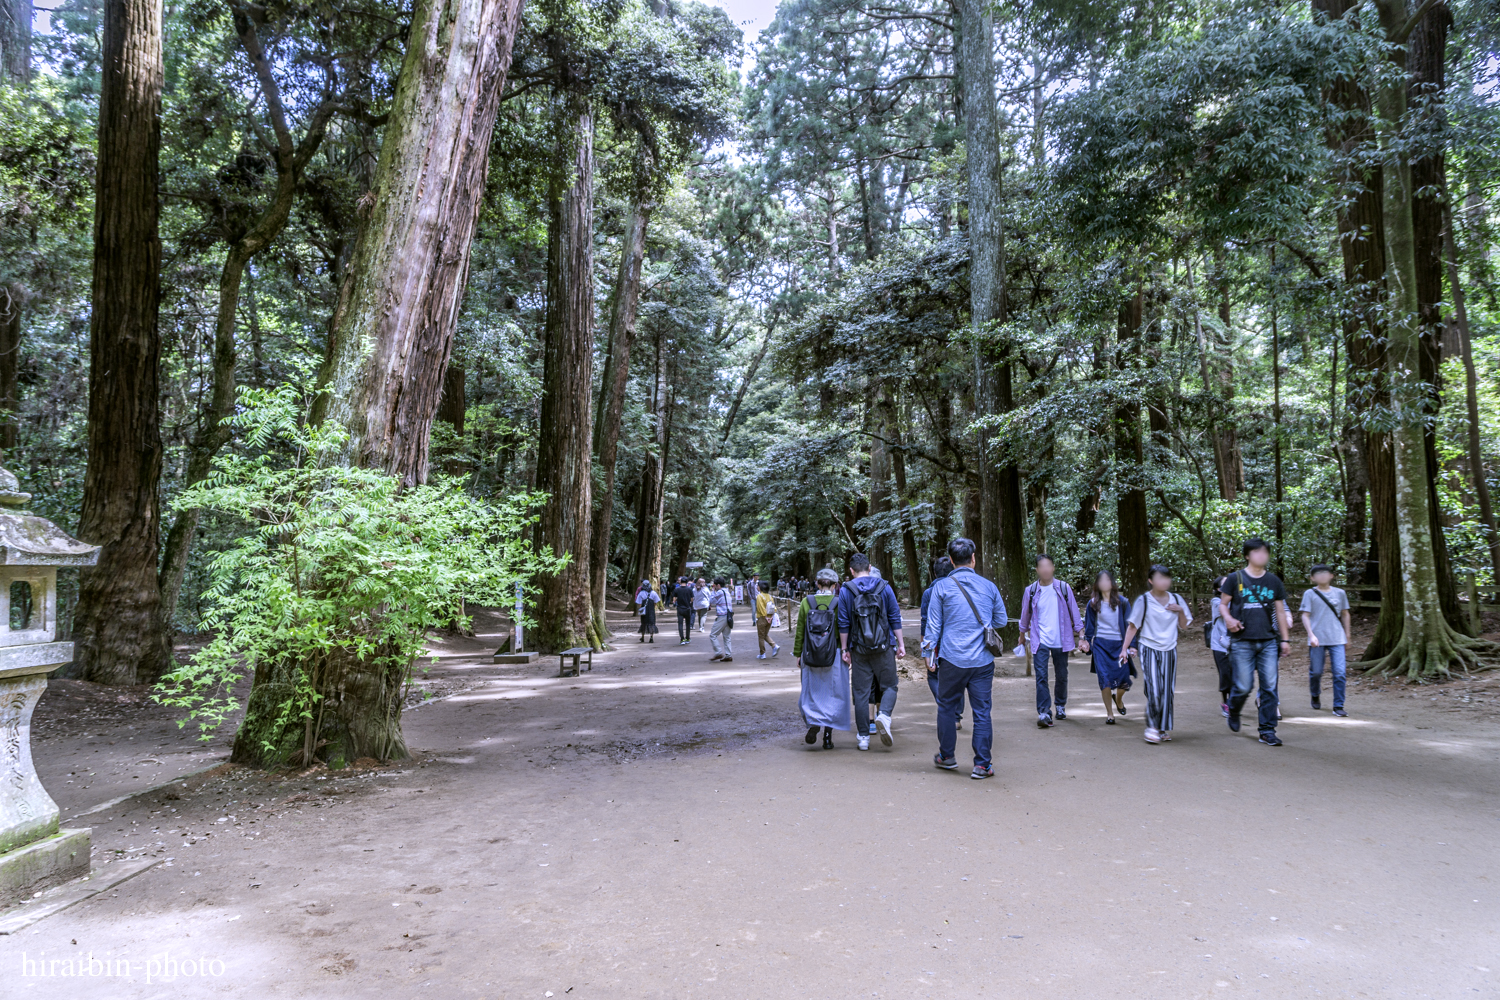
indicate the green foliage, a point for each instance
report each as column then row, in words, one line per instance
column 337, row 563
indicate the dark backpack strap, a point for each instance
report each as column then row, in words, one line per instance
column 972, row 608
column 1327, row 602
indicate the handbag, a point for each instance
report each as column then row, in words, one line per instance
column 992, row 642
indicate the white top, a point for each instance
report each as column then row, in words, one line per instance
column 1154, row 624
column 1044, row 607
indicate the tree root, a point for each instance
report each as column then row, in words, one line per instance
column 1436, row 657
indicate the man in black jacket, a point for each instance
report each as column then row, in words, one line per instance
column 682, row 596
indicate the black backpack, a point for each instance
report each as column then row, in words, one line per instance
column 820, row 632
column 872, row 631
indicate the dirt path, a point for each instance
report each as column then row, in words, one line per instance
column 658, row 829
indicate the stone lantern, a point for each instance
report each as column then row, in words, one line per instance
column 34, row 853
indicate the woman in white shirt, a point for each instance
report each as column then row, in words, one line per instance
column 1155, row 618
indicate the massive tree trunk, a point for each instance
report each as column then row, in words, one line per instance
column 1366, row 452
column 622, row 313
column 1130, row 471
column 1229, row 463
column 115, row 627
column 291, row 159
column 393, row 326
column 1002, row 508
column 392, row 330
column 646, row 552
column 564, row 446
column 1426, row 59
column 1428, row 646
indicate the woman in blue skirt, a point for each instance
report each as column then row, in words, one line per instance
column 1104, row 621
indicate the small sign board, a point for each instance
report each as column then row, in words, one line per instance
column 693, row 565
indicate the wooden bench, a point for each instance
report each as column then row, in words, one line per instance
column 576, row 652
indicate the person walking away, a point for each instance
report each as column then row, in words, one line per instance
column 700, row 600
column 1049, row 627
column 1325, row 615
column 869, row 623
column 719, row 632
column 682, row 597
column 941, row 567
column 1156, row 617
column 1218, row 644
column 765, row 609
column 1106, row 618
column 963, row 605
column 646, row 600
column 1255, row 614
column 825, row 682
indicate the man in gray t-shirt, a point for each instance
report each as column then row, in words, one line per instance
column 1325, row 616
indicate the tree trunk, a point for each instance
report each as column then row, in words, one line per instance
column 564, row 608
column 1366, row 453
column 214, row 431
column 1130, row 501
column 880, row 484
column 898, row 467
column 393, row 326
column 1229, row 462
column 453, row 405
column 1473, row 439
column 10, row 364
column 391, row 335
column 115, row 624
column 15, row 41
column 1428, row 647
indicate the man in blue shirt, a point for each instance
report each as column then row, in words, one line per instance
column 869, row 625
column 963, row 603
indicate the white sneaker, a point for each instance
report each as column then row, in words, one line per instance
column 1153, row 736
column 760, row 656
column 864, row 742
column 883, row 725
column 775, row 649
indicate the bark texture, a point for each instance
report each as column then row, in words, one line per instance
column 15, row 40
column 1428, row 645
column 622, row 326
column 564, row 443
column 115, row 624
column 393, row 326
column 1130, row 471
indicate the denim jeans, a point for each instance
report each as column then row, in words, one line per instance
column 1252, row 658
column 932, row 685
column 953, row 683
column 1059, row 659
column 1335, row 657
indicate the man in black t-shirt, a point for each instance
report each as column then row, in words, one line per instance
column 1254, row 610
column 682, row 596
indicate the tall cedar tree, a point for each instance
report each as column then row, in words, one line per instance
column 115, row 624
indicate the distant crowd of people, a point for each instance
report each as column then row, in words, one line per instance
column 848, row 636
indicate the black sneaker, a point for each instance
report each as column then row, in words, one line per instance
column 1061, row 713
column 812, row 734
column 946, row 763
column 1270, row 739
column 1339, row 711
column 1044, row 722
column 1234, row 721
column 827, row 741
column 1317, row 704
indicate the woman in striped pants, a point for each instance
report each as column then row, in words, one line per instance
column 1156, row 617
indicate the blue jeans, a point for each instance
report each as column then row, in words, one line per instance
column 932, row 685
column 1335, row 656
column 953, row 683
column 1059, row 658
column 1251, row 658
